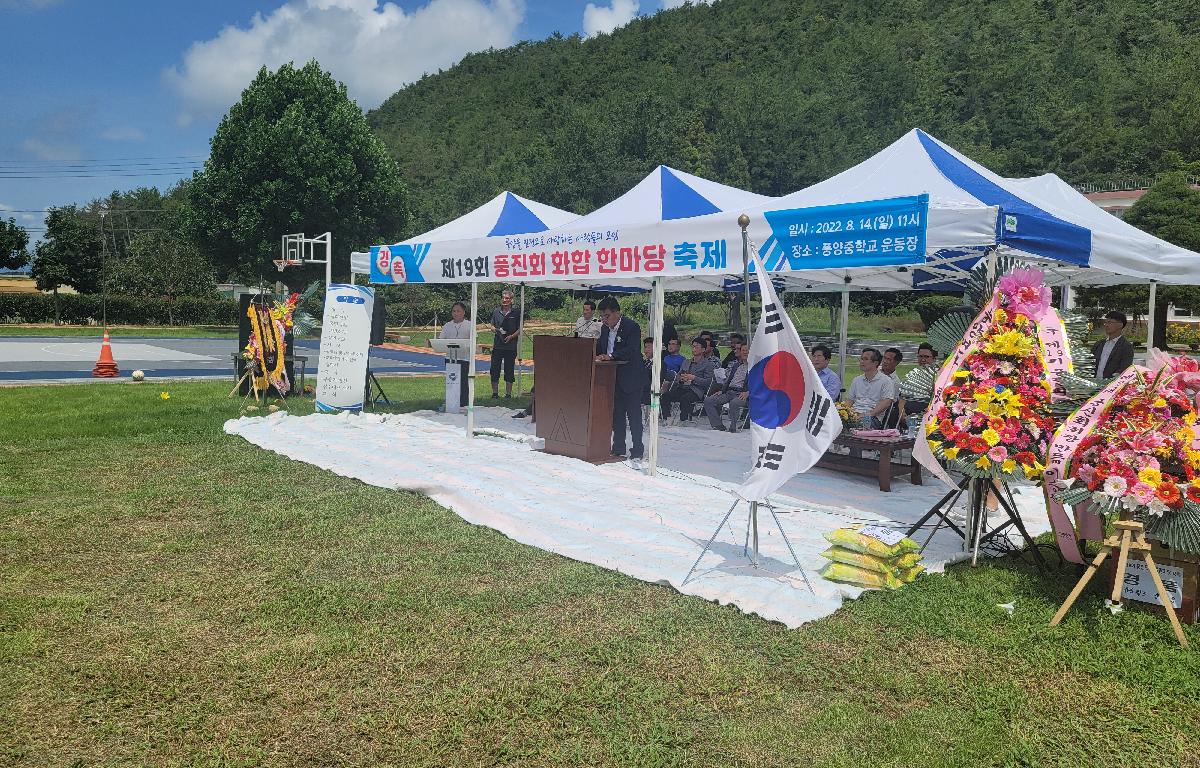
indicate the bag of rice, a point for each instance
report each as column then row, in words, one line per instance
column 870, row 562
column 859, row 559
column 857, row 541
column 859, row 577
column 907, row 576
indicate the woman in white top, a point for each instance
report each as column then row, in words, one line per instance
column 458, row 327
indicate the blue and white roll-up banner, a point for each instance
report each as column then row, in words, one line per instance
column 345, row 346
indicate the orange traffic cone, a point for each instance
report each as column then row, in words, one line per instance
column 106, row 367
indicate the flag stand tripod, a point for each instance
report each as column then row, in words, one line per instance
column 750, row 545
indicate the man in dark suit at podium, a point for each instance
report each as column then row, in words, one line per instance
column 621, row 339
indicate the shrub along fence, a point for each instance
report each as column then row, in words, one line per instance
column 79, row 309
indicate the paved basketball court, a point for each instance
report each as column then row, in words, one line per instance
column 40, row 359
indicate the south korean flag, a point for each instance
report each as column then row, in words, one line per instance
column 792, row 418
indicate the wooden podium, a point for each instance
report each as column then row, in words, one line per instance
column 574, row 398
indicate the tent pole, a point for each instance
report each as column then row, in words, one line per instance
column 520, row 337
column 744, row 222
column 1068, row 298
column 656, row 321
column 471, row 367
column 843, row 335
column 1150, row 316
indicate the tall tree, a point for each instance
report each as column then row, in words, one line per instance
column 70, row 254
column 14, row 241
column 293, row 155
column 1171, row 210
column 160, row 265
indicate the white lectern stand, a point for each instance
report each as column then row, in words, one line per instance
column 458, row 356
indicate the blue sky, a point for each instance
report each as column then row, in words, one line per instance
column 126, row 93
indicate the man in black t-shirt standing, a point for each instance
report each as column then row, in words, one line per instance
column 507, row 326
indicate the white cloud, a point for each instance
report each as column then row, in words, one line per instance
column 374, row 48
column 602, row 19
column 27, row 5
column 667, row 4
column 599, row 19
column 52, row 150
column 124, row 133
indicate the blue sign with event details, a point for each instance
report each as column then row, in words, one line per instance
column 872, row 233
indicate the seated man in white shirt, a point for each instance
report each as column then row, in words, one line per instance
column 872, row 393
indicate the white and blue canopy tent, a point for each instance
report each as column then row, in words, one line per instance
column 505, row 215
column 955, row 210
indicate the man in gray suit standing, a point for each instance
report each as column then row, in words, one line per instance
column 1114, row 353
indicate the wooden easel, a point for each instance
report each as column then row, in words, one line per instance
column 1124, row 541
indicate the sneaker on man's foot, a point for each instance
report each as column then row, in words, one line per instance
column 720, row 428
column 495, row 395
column 520, row 415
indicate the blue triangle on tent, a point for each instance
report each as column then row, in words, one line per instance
column 516, row 219
column 679, row 201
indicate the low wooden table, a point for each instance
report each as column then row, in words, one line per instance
column 881, row 467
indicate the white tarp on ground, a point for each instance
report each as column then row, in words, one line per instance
column 650, row 528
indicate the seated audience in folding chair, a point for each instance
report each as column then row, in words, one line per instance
column 820, row 356
column 672, row 360
column 732, row 393
column 873, row 393
column 734, row 340
column 692, row 383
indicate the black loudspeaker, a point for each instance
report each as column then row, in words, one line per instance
column 378, row 321
column 244, row 339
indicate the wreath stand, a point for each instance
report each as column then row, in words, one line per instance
column 974, row 536
column 1130, row 537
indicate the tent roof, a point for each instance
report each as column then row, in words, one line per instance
column 666, row 194
column 504, row 214
column 970, row 209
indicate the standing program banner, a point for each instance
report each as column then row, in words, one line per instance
column 345, row 345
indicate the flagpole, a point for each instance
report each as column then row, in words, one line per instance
column 744, row 223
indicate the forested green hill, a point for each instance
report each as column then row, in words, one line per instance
column 772, row 95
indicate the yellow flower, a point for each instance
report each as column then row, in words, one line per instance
column 1000, row 316
column 165, row 395
column 1010, row 343
column 1160, row 403
column 1009, row 465
column 1150, row 476
column 961, row 374
column 983, row 462
column 933, row 444
column 1021, row 320
column 991, row 435
column 952, row 453
column 1189, row 418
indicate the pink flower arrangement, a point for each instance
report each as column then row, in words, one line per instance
column 1026, row 292
column 993, row 417
column 1140, row 456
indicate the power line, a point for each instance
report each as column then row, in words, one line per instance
column 160, row 158
column 179, row 172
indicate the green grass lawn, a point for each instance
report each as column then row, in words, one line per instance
column 173, row 596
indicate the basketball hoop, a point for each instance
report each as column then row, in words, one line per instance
column 282, row 264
